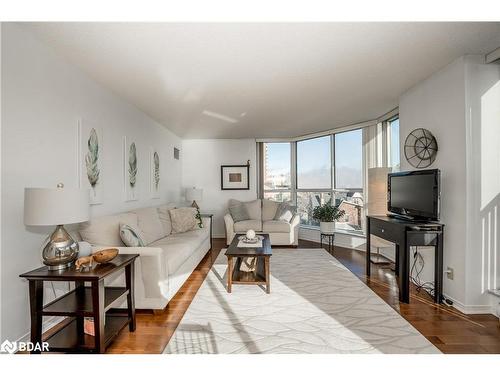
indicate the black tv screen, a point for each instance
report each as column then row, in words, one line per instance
column 414, row 194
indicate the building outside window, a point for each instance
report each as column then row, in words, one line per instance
column 277, row 171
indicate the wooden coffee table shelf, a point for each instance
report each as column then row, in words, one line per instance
column 84, row 301
column 261, row 275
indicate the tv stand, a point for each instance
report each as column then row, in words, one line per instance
column 405, row 233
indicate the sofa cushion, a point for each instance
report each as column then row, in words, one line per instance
column 179, row 247
column 105, row 230
column 148, row 222
column 269, row 209
column 183, row 219
column 239, row 212
column 254, row 208
column 276, row 226
column 285, row 211
column 131, row 236
column 243, row 226
column 164, row 215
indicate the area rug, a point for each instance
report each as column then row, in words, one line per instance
column 316, row 305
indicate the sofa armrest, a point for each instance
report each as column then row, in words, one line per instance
column 229, row 224
column 295, row 223
column 151, row 269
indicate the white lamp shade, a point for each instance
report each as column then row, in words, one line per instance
column 58, row 206
column 193, row 194
column 377, row 191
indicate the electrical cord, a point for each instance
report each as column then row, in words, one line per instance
column 426, row 286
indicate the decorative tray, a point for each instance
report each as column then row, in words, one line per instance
column 257, row 239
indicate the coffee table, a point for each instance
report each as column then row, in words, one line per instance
column 261, row 275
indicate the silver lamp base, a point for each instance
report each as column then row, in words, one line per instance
column 60, row 251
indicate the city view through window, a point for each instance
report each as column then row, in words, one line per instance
column 317, row 182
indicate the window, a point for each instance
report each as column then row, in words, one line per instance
column 314, row 163
column 394, row 156
column 349, row 160
column 277, row 171
column 306, row 202
column 315, row 171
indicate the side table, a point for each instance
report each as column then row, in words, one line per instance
column 211, row 216
column 84, row 301
column 330, row 237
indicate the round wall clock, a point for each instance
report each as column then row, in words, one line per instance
column 420, row 148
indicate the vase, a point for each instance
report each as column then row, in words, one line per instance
column 327, row 227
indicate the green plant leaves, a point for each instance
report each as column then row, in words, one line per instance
column 327, row 212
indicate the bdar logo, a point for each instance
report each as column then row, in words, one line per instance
column 8, row 347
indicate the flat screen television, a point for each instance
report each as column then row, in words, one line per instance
column 414, row 195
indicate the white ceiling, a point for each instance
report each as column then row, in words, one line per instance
column 238, row 80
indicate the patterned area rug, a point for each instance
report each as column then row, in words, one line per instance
column 316, row 305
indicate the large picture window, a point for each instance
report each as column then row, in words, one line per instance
column 277, row 171
column 316, row 171
column 314, row 163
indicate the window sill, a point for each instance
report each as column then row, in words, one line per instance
column 339, row 231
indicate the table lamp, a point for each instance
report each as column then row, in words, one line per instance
column 59, row 206
column 194, row 194
column 377, row 205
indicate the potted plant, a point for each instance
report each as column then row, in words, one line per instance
column 326, row 214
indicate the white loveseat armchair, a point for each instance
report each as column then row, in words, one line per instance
column 164, row 263
column 261, row 213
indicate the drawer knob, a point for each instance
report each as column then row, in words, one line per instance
column 382, row 230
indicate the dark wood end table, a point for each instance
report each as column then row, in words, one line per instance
column 261, row 275
column 84, row 301
column 211, row 217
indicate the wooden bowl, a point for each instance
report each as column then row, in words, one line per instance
column 105, row 255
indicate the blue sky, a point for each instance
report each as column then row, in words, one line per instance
column 315, row 153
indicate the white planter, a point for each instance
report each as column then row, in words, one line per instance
column 327, row 227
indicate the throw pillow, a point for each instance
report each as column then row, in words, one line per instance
column 285, row 212
column 239, row 213
column 131, row 236
column 183, row 219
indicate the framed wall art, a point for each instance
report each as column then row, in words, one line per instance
column 130, row 170
column 90, row 159
column 235, row 177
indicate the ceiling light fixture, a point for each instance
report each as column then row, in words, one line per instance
column 220, row 116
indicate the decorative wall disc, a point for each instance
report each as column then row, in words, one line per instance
column 420, row 148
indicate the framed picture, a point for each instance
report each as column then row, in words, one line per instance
column 235, row 177
column 154, row 178
column 90, row 159
column 130, row 170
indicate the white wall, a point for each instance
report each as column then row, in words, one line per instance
column 201, row 162
column 483, row 176
column 460, row 105
column 438, row 104
column 42, row 99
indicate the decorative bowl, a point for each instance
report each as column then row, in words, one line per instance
column 105, row 255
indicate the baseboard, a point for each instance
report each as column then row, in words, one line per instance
column 471, row 309
column 48, row 324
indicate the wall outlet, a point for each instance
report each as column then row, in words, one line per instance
column 449, row 273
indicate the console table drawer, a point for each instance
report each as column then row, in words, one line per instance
column 387, row 232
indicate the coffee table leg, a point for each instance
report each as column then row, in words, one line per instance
column 229, row 273
column 268, row 281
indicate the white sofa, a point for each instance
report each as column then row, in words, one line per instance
column 261, row 213
column 167, row 260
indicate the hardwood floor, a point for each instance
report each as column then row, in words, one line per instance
column 447, row 328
